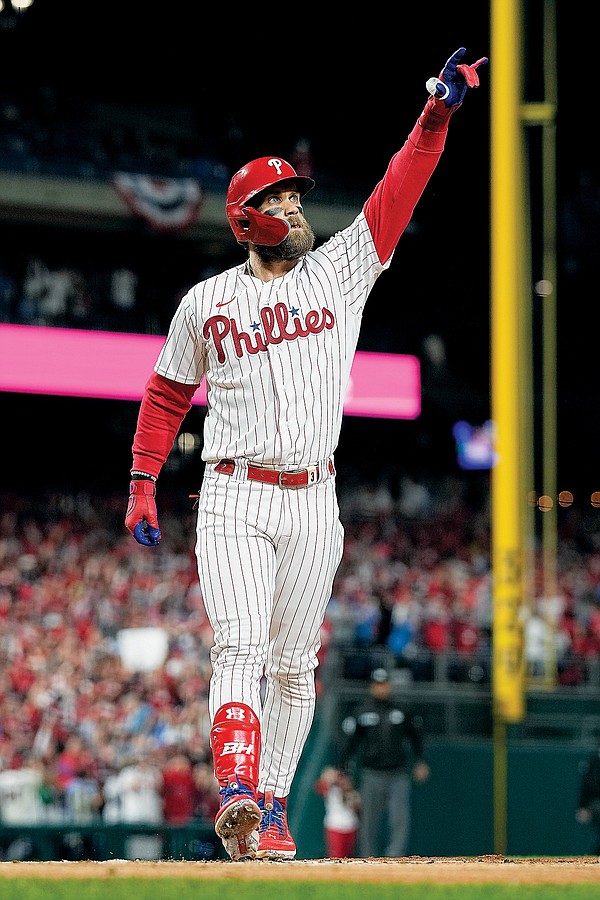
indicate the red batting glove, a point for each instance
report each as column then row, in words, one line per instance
column 470, row 74
column 141, row 519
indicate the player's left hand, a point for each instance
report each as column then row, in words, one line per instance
column 141, row 519
column 457, row 77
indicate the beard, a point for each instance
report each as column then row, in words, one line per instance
column 298, row 243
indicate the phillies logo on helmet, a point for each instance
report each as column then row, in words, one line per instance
column 277, row 165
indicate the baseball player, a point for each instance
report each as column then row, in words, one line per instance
column 274, row 337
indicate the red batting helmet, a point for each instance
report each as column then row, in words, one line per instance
column 252, row 179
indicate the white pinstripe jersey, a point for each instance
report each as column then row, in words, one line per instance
column 276, row 355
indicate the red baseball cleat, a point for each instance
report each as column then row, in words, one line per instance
column 237, row 821
column 274, row 838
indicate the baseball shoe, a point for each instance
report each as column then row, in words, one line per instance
column 237, row 820
column 274, row 838
column 240, row 847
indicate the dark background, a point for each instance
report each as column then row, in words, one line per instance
column 257, row 80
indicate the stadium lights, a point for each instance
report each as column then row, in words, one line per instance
column 18, row 6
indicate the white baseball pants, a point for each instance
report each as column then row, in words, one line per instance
column 267, row 557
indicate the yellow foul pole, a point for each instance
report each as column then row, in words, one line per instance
column 510, row 385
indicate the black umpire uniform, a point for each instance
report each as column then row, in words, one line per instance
column 385, row 743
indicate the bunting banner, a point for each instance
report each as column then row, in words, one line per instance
column 165, row 204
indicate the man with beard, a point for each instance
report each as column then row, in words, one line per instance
column 275, row 338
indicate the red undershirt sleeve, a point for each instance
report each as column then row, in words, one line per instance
column 390, row 207
column 163, row 408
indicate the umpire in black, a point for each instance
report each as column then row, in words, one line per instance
column 383, row 742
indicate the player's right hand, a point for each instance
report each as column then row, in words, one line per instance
column 457, row 77
column 141, row 519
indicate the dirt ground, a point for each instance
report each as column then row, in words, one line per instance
column 410, row 869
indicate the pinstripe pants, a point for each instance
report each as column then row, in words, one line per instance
column 267, row 557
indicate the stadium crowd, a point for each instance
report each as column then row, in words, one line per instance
column 415, row 579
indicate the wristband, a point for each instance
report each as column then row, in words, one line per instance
column 142, row 476
column 434, row 85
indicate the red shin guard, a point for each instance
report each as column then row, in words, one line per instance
column 235, row 743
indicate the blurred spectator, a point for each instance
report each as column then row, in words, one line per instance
column 436, row 628
column 539, row 646
column 33, row 291
column 342, row 809
column 206, row 798
column 82, row 804
column 21, row 799
column 403, row 630
column 53, row 304
column 122, row 296
column 111, row 799
column 301, row 158
column 49, row 793
column 71, row 760
column 178, row 789
column 415, row 498
column 466, row 635
column 82, row 799
column 140, row 786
